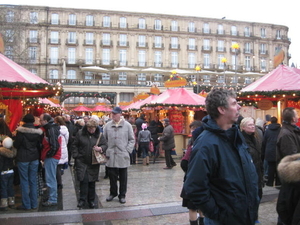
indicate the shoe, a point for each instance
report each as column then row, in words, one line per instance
column 174, row 165
column 167, row 168
column 60, row 186
column 110, row 198
column 91, row 205
column 122, row 200
column 34, row 208
column 21, row 207
column 80, row 204
column 257, row 221
column 46, row 204
column 105, row 177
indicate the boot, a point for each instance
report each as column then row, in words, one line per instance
column 11, row 202
column 194, row 222
column 3, row 204
column 147, row 160
column 144, row 161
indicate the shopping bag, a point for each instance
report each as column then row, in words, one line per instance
column 151, row 146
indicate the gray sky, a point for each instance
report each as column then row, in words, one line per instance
column 264, row 11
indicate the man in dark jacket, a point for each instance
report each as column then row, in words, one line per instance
column 50, row 155
column 71, row 129
column 221, row 180
column 168, row 143
column 269, row 150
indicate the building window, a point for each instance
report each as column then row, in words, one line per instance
column 191, row 27
column 106, row 56
column 106, row 21
column 89, row 56
column 142, row 58
column 105, row 78
column 122, row 57
column 234, row 62
column 53, row 55
column 220, row 45
column 142, row 23
column 248, row 80
column 206, row 44
column 174, row 42
column 53, row 74
column 71, row 74
column 142, row 41
column 34, row 71
column 10, row 16
column 122, row 76
column 247, row 31
column 192, row 44
column 247, row 63
column 71, row 55
column 72, row 19
column 220, row 63
column 54, row 37
column 72, row 37
column 158, row 77
column 89, row 20
column 220, row 29
column 141, row 78
column 206, row 29
column 174, row 25
column 157, row 25
column 174, row 59
column 106, row 39
column 192, row 60
column 54, row 18
column 233, row 31
column 158, row 41
column 278, row 34
column 88, row 75
column 158, row 59
column 123, row 40
column 123, row 22
column 9, row 35
column 33, row 54
column 206, row 78
column 263, row 64
column 33, row 36
column 263, row 33
column 33, row 17
column 247, row 47
column 89, row 38
column 206, row 61
column 263, row 48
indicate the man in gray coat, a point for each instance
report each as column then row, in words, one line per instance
column 168, row 143
column 120, row 140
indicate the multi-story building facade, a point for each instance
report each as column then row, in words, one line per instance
column 60, row 42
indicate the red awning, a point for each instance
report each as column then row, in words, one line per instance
column 82, row 108
column 101, row 108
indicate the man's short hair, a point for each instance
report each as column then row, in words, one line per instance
column 273, row 119
column 46, row 117
column 217, row 98
column 288, row 114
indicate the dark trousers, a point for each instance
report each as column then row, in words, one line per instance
column 272, row 174
column 87, row 189
column 169, row 160
column 113, row 174
column 58, row 173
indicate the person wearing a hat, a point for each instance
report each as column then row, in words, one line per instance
column 120, row 140
column 28, row 144
column 168, row 143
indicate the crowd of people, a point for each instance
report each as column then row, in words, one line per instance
column 237, row 157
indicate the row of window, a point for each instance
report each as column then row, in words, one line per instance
column 90, row 21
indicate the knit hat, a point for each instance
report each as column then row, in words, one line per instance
column 28, row 118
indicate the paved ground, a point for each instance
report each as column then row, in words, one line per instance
column 152, row 198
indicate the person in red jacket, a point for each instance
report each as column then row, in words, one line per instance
column 50, row 155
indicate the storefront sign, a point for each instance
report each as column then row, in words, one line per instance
column 265, row 104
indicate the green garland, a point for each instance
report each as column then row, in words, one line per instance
column 270, row 93
column 108, row 96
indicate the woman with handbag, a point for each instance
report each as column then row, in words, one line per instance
column 144, row 138
column 88, row 140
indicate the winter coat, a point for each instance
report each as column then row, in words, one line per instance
column 154, row 132
column 167, row 138
column 82, row 150
column 51, row 145
column 221, row 180
column 288, row 141
column 120, row 140
column 64, row 134
column 254, row 148
column 269, row 141
column 288, row 202
column 144, row 136
column 7, row 158
column 28, row 142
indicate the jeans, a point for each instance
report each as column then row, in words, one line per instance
column 50, row 175
column 28, row 182
column 208, row 221
column 144, row 148
column 113, row 174
column 7, row 185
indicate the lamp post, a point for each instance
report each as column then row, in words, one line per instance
column 197, row 68
column 236, row 47
column 224, row 60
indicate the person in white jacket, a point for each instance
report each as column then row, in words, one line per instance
column 64, row 134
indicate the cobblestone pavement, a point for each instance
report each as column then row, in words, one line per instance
column 152, row 198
